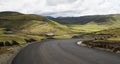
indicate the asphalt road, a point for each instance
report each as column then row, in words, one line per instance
column 64, row 52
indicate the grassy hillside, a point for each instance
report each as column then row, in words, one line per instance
column 90, row 23
column 88, row 28
column 30, row 23
column 25, row 26
column 115, row 32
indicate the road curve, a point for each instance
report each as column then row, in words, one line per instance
column 63, row 51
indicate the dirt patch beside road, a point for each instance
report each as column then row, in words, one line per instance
column 8, row 53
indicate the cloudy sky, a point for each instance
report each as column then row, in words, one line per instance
column 62, row 7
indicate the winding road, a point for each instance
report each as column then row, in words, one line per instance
column 64, row 51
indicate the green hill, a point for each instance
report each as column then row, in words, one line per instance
column 90, row 23
column 115, row 32
column 30, row 23
column 25, row 26
column 5, row 13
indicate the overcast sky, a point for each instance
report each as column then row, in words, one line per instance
column 62, row 7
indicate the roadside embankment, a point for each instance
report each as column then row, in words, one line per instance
column 9, row 52
column 111, row 46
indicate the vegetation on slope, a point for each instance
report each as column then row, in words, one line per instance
column 87, row 28
column 27, row 26
column 30, row 23
column 115, row 32
column 90, row 23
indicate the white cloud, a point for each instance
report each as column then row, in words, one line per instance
column 62, row 7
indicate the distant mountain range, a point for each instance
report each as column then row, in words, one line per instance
column 86, row 19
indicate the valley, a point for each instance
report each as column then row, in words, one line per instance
column 60, row 32
column 17, row 29
column 103, row 29
column 90, row 23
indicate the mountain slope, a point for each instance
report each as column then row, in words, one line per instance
column 90, row 23
column 29, row 23
column 115, row 32
column 15, row 26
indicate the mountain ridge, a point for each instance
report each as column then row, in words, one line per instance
column 84, row 19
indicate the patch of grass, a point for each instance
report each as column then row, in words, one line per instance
column 19, row 38
column 62, row 37
column 1, row 31
column 88, row 28
column 10, row 38
column 38, row 38
column 114, row 39
column 115, row 31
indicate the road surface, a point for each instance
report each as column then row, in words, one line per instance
column 64, row 51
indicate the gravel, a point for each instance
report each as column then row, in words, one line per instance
column 8, row 57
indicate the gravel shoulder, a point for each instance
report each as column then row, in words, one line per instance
column 8, row 53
